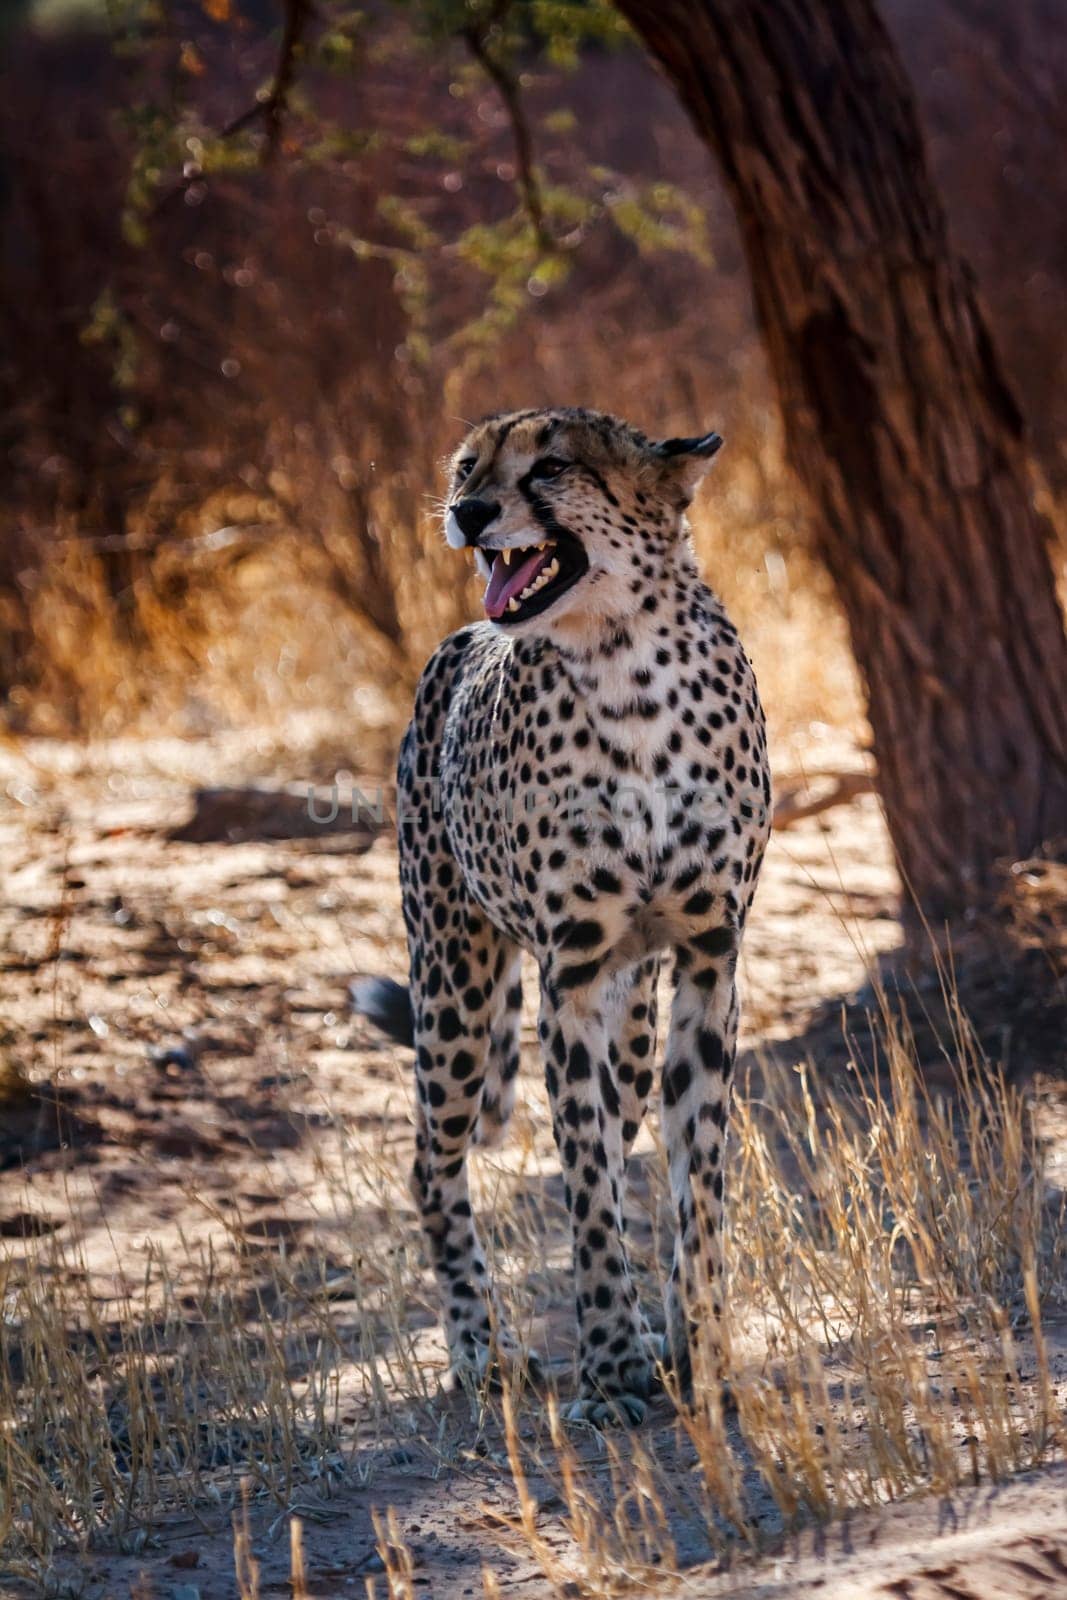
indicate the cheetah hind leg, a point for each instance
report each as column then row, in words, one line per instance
column 502, row 1064
column 633, row 1055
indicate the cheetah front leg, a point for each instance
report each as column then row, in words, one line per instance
column 697, row 1084
column 459, row 1001
column 615, row 1366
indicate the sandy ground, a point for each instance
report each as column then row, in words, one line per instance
column 187, row 1002
column 982, row 1544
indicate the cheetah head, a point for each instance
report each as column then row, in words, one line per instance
column 572, row 514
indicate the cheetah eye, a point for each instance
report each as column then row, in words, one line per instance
column 465, row 468
column 549, row 467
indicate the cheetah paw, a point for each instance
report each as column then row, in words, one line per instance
column 606, row 1411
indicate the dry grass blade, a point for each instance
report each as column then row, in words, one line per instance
column 246, row 1567
column 298, row 1572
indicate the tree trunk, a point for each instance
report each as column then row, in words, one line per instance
column 898, row 422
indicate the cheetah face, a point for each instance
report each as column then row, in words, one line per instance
column 571, row 514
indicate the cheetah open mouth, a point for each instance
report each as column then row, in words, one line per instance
column 525, row 581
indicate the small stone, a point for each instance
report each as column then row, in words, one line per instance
column 175, row 1056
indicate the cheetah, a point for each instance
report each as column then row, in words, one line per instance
column 584, row 779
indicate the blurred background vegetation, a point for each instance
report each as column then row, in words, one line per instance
column 235, row 347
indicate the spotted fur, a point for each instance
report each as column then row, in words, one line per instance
column 588, row 785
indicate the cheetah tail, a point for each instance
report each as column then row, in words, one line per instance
column 386, row 1004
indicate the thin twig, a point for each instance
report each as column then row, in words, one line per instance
column 274, row 104
column 476, row 37
column 298, row 14
column 272, row 107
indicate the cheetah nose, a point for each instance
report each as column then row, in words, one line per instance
column 474, row 516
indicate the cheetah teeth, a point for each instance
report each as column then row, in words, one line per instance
column 506, row 555
column 543, row 577
column 483, row 563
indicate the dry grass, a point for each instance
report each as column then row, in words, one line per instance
column 892, row 1252
column 278, row 622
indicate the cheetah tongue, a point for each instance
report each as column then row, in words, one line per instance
column 507, row 583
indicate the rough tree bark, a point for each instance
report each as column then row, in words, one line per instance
column 898, row 421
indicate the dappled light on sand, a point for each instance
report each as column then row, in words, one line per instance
column 213, row 1271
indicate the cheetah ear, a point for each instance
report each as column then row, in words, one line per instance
column 688, row 459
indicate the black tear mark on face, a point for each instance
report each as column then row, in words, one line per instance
column 542, row 510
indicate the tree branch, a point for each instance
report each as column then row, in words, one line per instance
column 792, row 806
column 298, row 14
column 476, row 38
column 274, row 104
